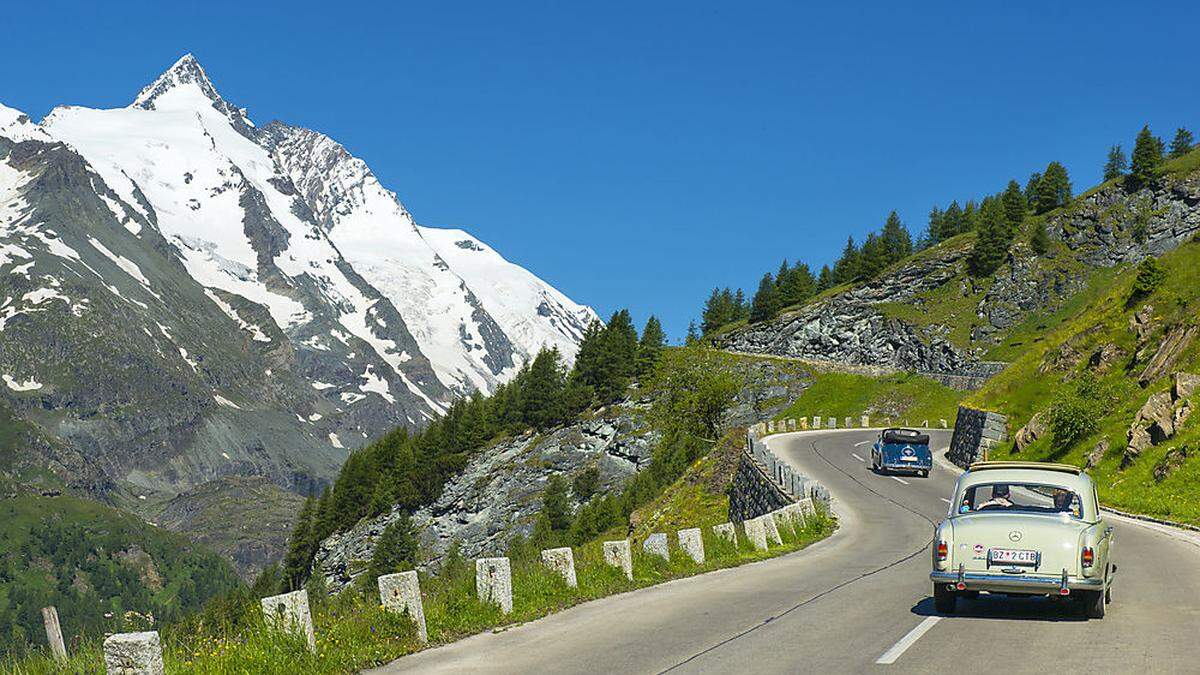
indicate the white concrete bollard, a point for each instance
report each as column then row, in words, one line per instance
column 54, row 633
column 925, row 424
column 656, row 544
column 756, row 533
column 846, row 423
column 401, row 593
column 289, row 612
column 133, row 654
column 768, row 522
column 561, row 561
column 865, row 421
column 806, row 507
column 783, row 521
column 617, row 554
column 831, row 422
column 493, row 582
column 725, row 531
column 804, row 423
column 816, row 422
column 943, row 423
column 771, row 426
column 692, row 544
column 795, row 513
column 792, row 424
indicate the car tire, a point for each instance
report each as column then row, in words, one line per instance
column 944, row 599
column 925, row 473
column 1093, row 604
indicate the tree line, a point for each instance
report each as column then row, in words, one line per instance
column 997, row 220
column 407, row 470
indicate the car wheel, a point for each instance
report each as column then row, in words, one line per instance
column 925, row 473
column 944, row 599
column 1108, row 594
column 1093, row 604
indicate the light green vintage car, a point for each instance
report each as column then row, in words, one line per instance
column 1024, row 528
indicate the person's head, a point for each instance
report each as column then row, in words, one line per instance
column 1000, row 490
column 1062, row 500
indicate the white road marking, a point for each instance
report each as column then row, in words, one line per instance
column 899, row 480
column 861, row 443
column 907, row 641
column 944, row 499
column 857, row 457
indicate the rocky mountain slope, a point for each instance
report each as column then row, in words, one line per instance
column 926, row 314
column 186, row 296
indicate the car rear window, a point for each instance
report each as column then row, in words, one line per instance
column 905, row 436
column 1002, row 497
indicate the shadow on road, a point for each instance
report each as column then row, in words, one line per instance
column 1002, row 607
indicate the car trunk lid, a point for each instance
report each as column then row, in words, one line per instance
column 1017, row 543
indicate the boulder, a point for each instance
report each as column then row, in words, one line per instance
column 1185, row 384
column 1139, row 440
column 1102, row 360
column 1033, row 430
column 1159, row 412
column 1097, row 454
column 1172, row 346
column 1171, row 462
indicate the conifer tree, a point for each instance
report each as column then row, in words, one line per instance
column 1182, row 143
column 1117, row 164
column 693, row 334
column 1014, row 205
column 1147, row 157
column 873, row 258
column 556, row 505
column 846, row 269
column 825, row 279
column 741, row 307
column 301, row 548
column 1031, row 190
column 797, row 286
column 895, row 238
column 396, row 549
column 968, row 223
column 991, row 246
column 952, row 221
column 934, row 233
column 543, row 389
column 766, row 300
column 1039, row 240
column 650, row 346
column 1054, row 189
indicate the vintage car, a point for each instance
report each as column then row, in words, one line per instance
column 902, row 450
column 1024, row 529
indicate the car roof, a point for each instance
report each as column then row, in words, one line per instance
column 1028, row 472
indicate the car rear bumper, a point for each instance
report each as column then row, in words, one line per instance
column 908, row 466
column 1015, row 583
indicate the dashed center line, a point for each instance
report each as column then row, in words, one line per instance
column 861, row 443
column 944, row 499
column 899, row 480
column 857, row 457
column 907, row 641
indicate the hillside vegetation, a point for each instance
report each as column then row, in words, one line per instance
column 1082, row 381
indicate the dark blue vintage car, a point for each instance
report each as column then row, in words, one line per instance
column 902, row 450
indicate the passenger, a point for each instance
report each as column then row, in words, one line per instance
column 1062, row 501
column 1000, row 498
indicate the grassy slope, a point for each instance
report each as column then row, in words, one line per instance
column 1021, row 391
column 903, row 396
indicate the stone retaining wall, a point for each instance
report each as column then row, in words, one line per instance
column 764, row 483
column 975, row 433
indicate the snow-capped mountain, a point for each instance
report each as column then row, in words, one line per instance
column 187, row 295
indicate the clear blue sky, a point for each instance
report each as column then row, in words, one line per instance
column 639, row 153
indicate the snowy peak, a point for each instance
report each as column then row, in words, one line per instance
column 187, row 73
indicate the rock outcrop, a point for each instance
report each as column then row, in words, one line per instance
column 1161, row 417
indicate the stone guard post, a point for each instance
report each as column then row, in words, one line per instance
column 493, row 582
column 617, row 554
column 402, row 593
column 726, row 531
column 768, row 522
column 133, row 654
column 54, row 633
column 656, row 544
column 756, row 532
column 692, row 544
column 561, row 561
column 289, row 612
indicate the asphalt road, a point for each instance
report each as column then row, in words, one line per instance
column 858, row 601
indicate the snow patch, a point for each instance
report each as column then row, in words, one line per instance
column 221, row 400
column 336, row 442
column 28, row 385
column 254, row 330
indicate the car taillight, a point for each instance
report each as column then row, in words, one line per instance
column 943, row 551
column 1089, row 556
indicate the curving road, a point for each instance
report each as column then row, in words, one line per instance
column 858, row 601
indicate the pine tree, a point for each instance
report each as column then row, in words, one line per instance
column 873, row 258
column 586, row 483
column 543, row 388
column 395, row 550
column 301, row 548
column 740, row 306
column 1039, row 240
column 991, row 246
column 934, row 233
column 556, row 505
column 1147, row 157
column 967, row 222
column 952, row 221
column 693, row 334
column 797, row 286
column 766, row 301
column 846, row 269
column 1031, row 190
column 650, row 346
column 1054, row 189
column 1014, row 205
column 1182, row 143
column 896, row 240
column 1117, row 164
column 825, row 279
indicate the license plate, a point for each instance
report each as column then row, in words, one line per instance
column 1013, row 556
column 908, row 459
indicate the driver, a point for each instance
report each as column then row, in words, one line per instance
column 1000, row 497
